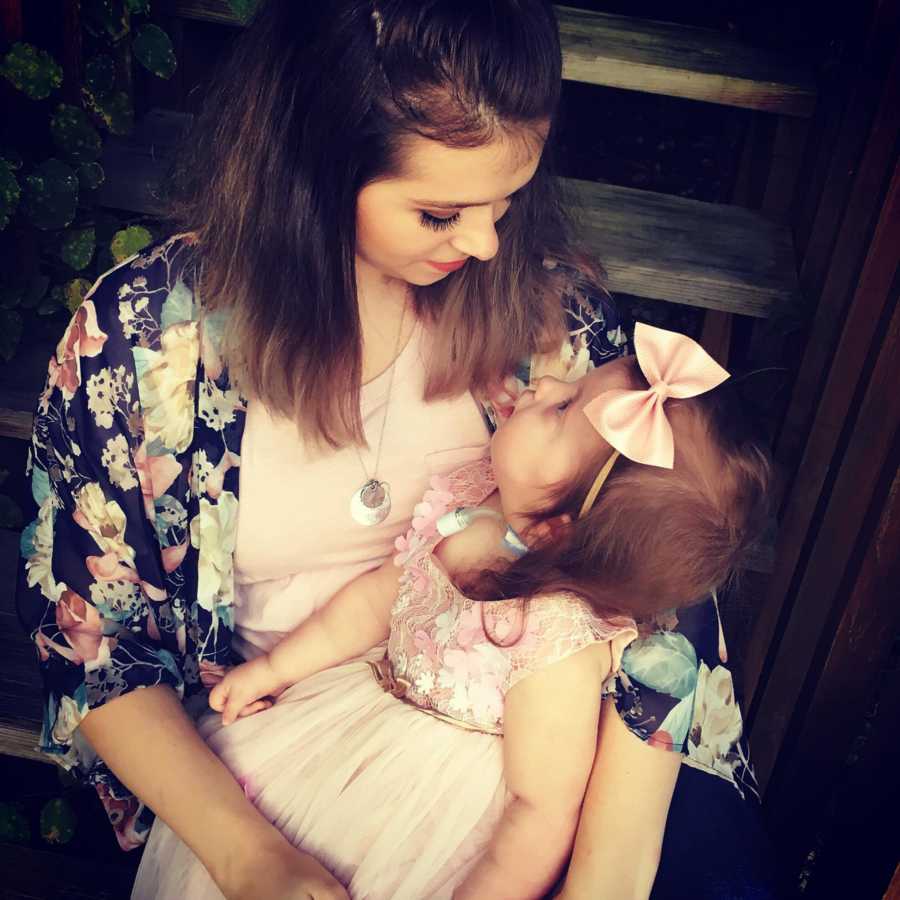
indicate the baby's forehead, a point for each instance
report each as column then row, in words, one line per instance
column 614, row 375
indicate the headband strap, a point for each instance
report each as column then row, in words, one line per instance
column 602, row 475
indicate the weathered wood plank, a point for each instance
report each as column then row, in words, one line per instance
column 820, row 373
column 837, row 481
column 893, row 891
column 838, row 243
column 686, row 251
column 653, row 245
column 654, row 57
column 856, row 673
column 15, row 424
column 680, row 61
column 20, row 690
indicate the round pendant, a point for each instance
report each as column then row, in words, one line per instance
column 371, row 504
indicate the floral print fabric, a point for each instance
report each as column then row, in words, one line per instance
column 127, row 579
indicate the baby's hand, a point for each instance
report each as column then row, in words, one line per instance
column 245, row 690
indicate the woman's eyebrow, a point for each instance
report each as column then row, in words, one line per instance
column 438, row 204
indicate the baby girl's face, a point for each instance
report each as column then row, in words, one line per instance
column 548, row 440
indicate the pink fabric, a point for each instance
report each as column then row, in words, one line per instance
column 397, row 804
column 460, row 657
column 296, row 543
column 634, row 422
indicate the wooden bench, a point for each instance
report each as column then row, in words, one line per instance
column 653, row 245
column 651, row 57
column 656, row 246
column 20, row 692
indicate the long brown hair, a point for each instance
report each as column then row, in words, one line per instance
column 315, row 104
column 655, row 538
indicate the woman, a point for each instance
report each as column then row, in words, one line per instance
column 372, row 246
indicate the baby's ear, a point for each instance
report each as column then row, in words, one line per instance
column 548, row 529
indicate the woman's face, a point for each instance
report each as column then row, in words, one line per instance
column 441, row 210
column 548, row 440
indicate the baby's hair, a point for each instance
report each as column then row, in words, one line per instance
column 655, row 538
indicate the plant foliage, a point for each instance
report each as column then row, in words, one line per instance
column 54, row 234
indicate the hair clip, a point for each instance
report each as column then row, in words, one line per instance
column 378, row 21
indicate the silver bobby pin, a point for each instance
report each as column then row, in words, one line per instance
column 378, row 21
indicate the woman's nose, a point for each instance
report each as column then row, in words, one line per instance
column 476, row 235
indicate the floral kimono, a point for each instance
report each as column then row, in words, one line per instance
column 128, row 580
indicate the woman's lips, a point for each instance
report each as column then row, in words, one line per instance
column 447, row 267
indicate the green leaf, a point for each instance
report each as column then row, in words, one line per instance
column 32, row 70
column 58, row 821
column 243, row 9
column 10, row 192
column 13, row 824
column 115, row 110
column 154, row 52
column 129, row 241
column 12, row 157
column 105, row 17
column 53, row 302
column 100, row 76
column 11, row 515
column 138, row 7
column 75, row 292
column 10, row 298
column 91, row 176
column 77, row 249
column 74, row 135
column 51, row 195
column 10, row 333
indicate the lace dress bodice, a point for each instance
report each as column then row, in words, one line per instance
column 459, row 657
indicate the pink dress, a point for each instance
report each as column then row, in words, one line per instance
column 397, row 793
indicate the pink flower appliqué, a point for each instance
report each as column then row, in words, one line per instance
column 426, row 645
column 435, row 503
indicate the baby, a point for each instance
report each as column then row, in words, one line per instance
column 510, row 602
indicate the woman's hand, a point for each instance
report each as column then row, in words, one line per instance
column 245, row 689
column 285, row 873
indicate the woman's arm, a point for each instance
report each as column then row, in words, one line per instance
column 149, row 742
column 550, row 734
column 356, row 619
column 622, row 823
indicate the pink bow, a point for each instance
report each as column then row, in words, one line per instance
column 634, row 422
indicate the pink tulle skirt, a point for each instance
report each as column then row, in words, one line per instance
column 396, row 803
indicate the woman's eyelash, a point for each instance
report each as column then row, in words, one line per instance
column 438, row 223
column 562, row 407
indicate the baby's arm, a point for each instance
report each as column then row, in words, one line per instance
column 550, row 737
column 353, row 621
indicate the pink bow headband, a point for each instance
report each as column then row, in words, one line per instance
column 634, row 422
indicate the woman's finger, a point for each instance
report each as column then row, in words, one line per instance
column 217, row 696
column 255, row 707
